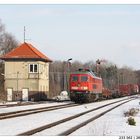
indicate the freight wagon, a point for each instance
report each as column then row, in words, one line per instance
column 128, row 89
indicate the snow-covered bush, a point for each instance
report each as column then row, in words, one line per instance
column 131, row 112
column 62, row 97
column 131, row 121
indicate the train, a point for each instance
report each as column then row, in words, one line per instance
column 128, row 89
column 85, row 86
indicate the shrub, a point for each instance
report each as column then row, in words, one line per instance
column 131, row 121
column 131, row 112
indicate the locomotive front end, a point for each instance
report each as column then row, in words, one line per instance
column 84, row 87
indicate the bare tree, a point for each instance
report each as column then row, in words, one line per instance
column 7, row 43
column 2, row 31
column 127, row 76
column 138, row 75
column 7, row 40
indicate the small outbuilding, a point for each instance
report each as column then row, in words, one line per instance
column 26, row 74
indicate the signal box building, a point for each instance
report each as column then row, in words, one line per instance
column 26, row 74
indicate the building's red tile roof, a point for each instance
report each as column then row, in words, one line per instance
column 25, row 51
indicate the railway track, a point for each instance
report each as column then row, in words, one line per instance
column 71, row 130
column 33, row 111
column 19, row 104
column 23, row 103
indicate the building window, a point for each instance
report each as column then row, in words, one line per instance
column 33, row 68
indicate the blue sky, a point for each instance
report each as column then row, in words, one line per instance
column 81, row 32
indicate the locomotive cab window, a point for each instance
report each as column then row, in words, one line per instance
column 84, row 78
column 74, row 78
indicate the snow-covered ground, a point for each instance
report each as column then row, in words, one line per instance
column 65, row 126
column 18, row 125
column 113, row 123
column 18, row 108
column 5, row 103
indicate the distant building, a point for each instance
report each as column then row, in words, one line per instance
column 26, row 74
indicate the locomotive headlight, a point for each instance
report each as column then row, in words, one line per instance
column 84, row 88
column 74, row 88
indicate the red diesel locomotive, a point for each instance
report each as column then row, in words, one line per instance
column 85, row 86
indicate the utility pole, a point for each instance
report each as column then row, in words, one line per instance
column 98, row 62
column 17, row 86
column 66, row 68
column 24, row 33
column 68, row 72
